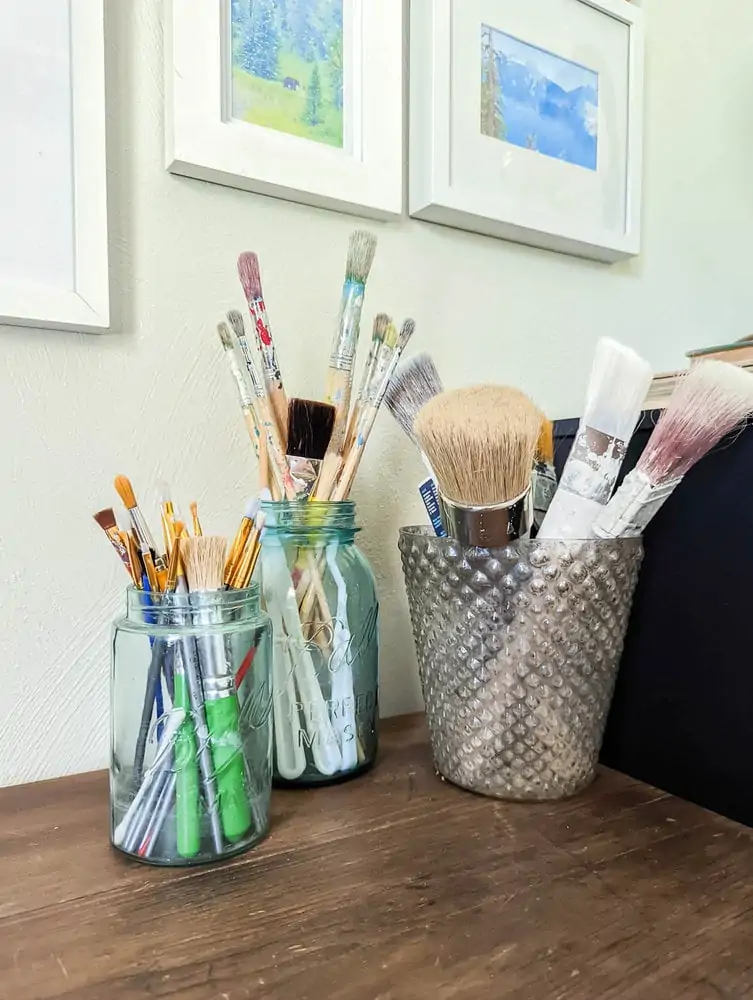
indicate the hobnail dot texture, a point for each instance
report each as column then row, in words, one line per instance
column 518, row 650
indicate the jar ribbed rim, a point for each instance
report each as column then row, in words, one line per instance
column 227, row 606
column 310, row 516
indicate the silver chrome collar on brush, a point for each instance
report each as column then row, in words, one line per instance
column 489, row 527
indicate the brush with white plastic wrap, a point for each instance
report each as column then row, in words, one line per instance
column 481, row 444
column 615, row 397
column 711, row 400
column 415, row 383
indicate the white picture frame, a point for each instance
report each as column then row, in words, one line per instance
column 461, row 178
column 203, row 141
column 81, row 302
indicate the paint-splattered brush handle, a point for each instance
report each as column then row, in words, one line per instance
column 270, row 366
column 278, row 462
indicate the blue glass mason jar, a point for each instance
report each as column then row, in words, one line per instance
column 319, row 591
column 191, row 726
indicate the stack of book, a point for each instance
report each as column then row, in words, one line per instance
column 663, row 385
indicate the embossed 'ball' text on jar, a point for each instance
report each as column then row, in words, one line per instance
column 320, row 593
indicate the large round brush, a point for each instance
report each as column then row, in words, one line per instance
column 712, row 399
column 481, row 444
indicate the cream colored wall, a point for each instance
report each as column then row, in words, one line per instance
column 154, row 398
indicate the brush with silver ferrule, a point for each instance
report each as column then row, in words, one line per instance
column 204, row 562
column 141, row 529
column 310, row 426
column 481, row 443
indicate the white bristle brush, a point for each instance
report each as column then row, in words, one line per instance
column 710, row 401
column 481, row 444
column 415, row 383
column 615, row 397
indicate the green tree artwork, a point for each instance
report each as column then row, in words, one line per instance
column 289, row 66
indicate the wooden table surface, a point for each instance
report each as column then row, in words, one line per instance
column 395, row 886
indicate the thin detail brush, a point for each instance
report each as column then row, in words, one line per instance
column 241, row 537
column 106, row 520
column 710, row 402
column 263, row 412
column 250, row 276
column 138, row 521
column 244, row 393
column 382, row 324
column 194, row 508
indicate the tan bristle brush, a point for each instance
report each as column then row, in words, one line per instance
column 481, row 444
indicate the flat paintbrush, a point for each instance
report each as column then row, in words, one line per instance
column 310, row 426
column 244, row 393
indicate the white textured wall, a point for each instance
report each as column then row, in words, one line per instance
column 154, row 398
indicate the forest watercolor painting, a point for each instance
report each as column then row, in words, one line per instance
column 538, row 100
column 288, row 66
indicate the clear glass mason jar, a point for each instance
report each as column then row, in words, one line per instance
column 319, row 591
column 191, row 726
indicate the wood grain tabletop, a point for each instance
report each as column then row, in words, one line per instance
column 392, row 887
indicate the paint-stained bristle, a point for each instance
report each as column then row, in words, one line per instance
column 412, row 386
column 125, row 491
column 248, row 272
column 226, row 337
column 106, row 519
column 545, row 446
column 310, row 426
column 361, row 250
column 480, row 442
column 204, row 561
column 236, row 322
column 710, row 401
column 406, row 332
column 617, row 389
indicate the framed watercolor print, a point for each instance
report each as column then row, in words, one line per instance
column 526, row 121
column 53, row 184
column 300, row 99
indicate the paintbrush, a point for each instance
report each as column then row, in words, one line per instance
column 204, row 562
column 544, row 484
column 481, row 444
column 141, row 530
column 106, row 520
column 246, row 565
column 616, row 393
column 244, row 393
column 361, row 250
column 414, row 383
column 310, row 426
column 710, row 401
column 248, row 272
column 241, row 537
column 382, row 327
column 390, row 354
column 194, row 508
column 262, row 410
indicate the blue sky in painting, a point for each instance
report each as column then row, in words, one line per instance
column 543, row 102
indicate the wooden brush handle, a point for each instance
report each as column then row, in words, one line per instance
column 279, row 465
column 253, row 430
column 328, row 473
column 279, row 407
column 339, row 387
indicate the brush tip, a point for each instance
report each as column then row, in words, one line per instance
column 194, row 508
column 226, row 338
column 235, row 319
column 250, row 275
column 361, row 250
column 125, row 491
column 310, row 426
column 106, row 518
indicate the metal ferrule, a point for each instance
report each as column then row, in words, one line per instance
column 489, row 527
column 218, row 687
column 142, row 529
column 304, row 472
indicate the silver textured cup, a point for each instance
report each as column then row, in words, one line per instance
column 518, row 650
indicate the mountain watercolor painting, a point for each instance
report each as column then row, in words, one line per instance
column 538, row 100
column 288, row 66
